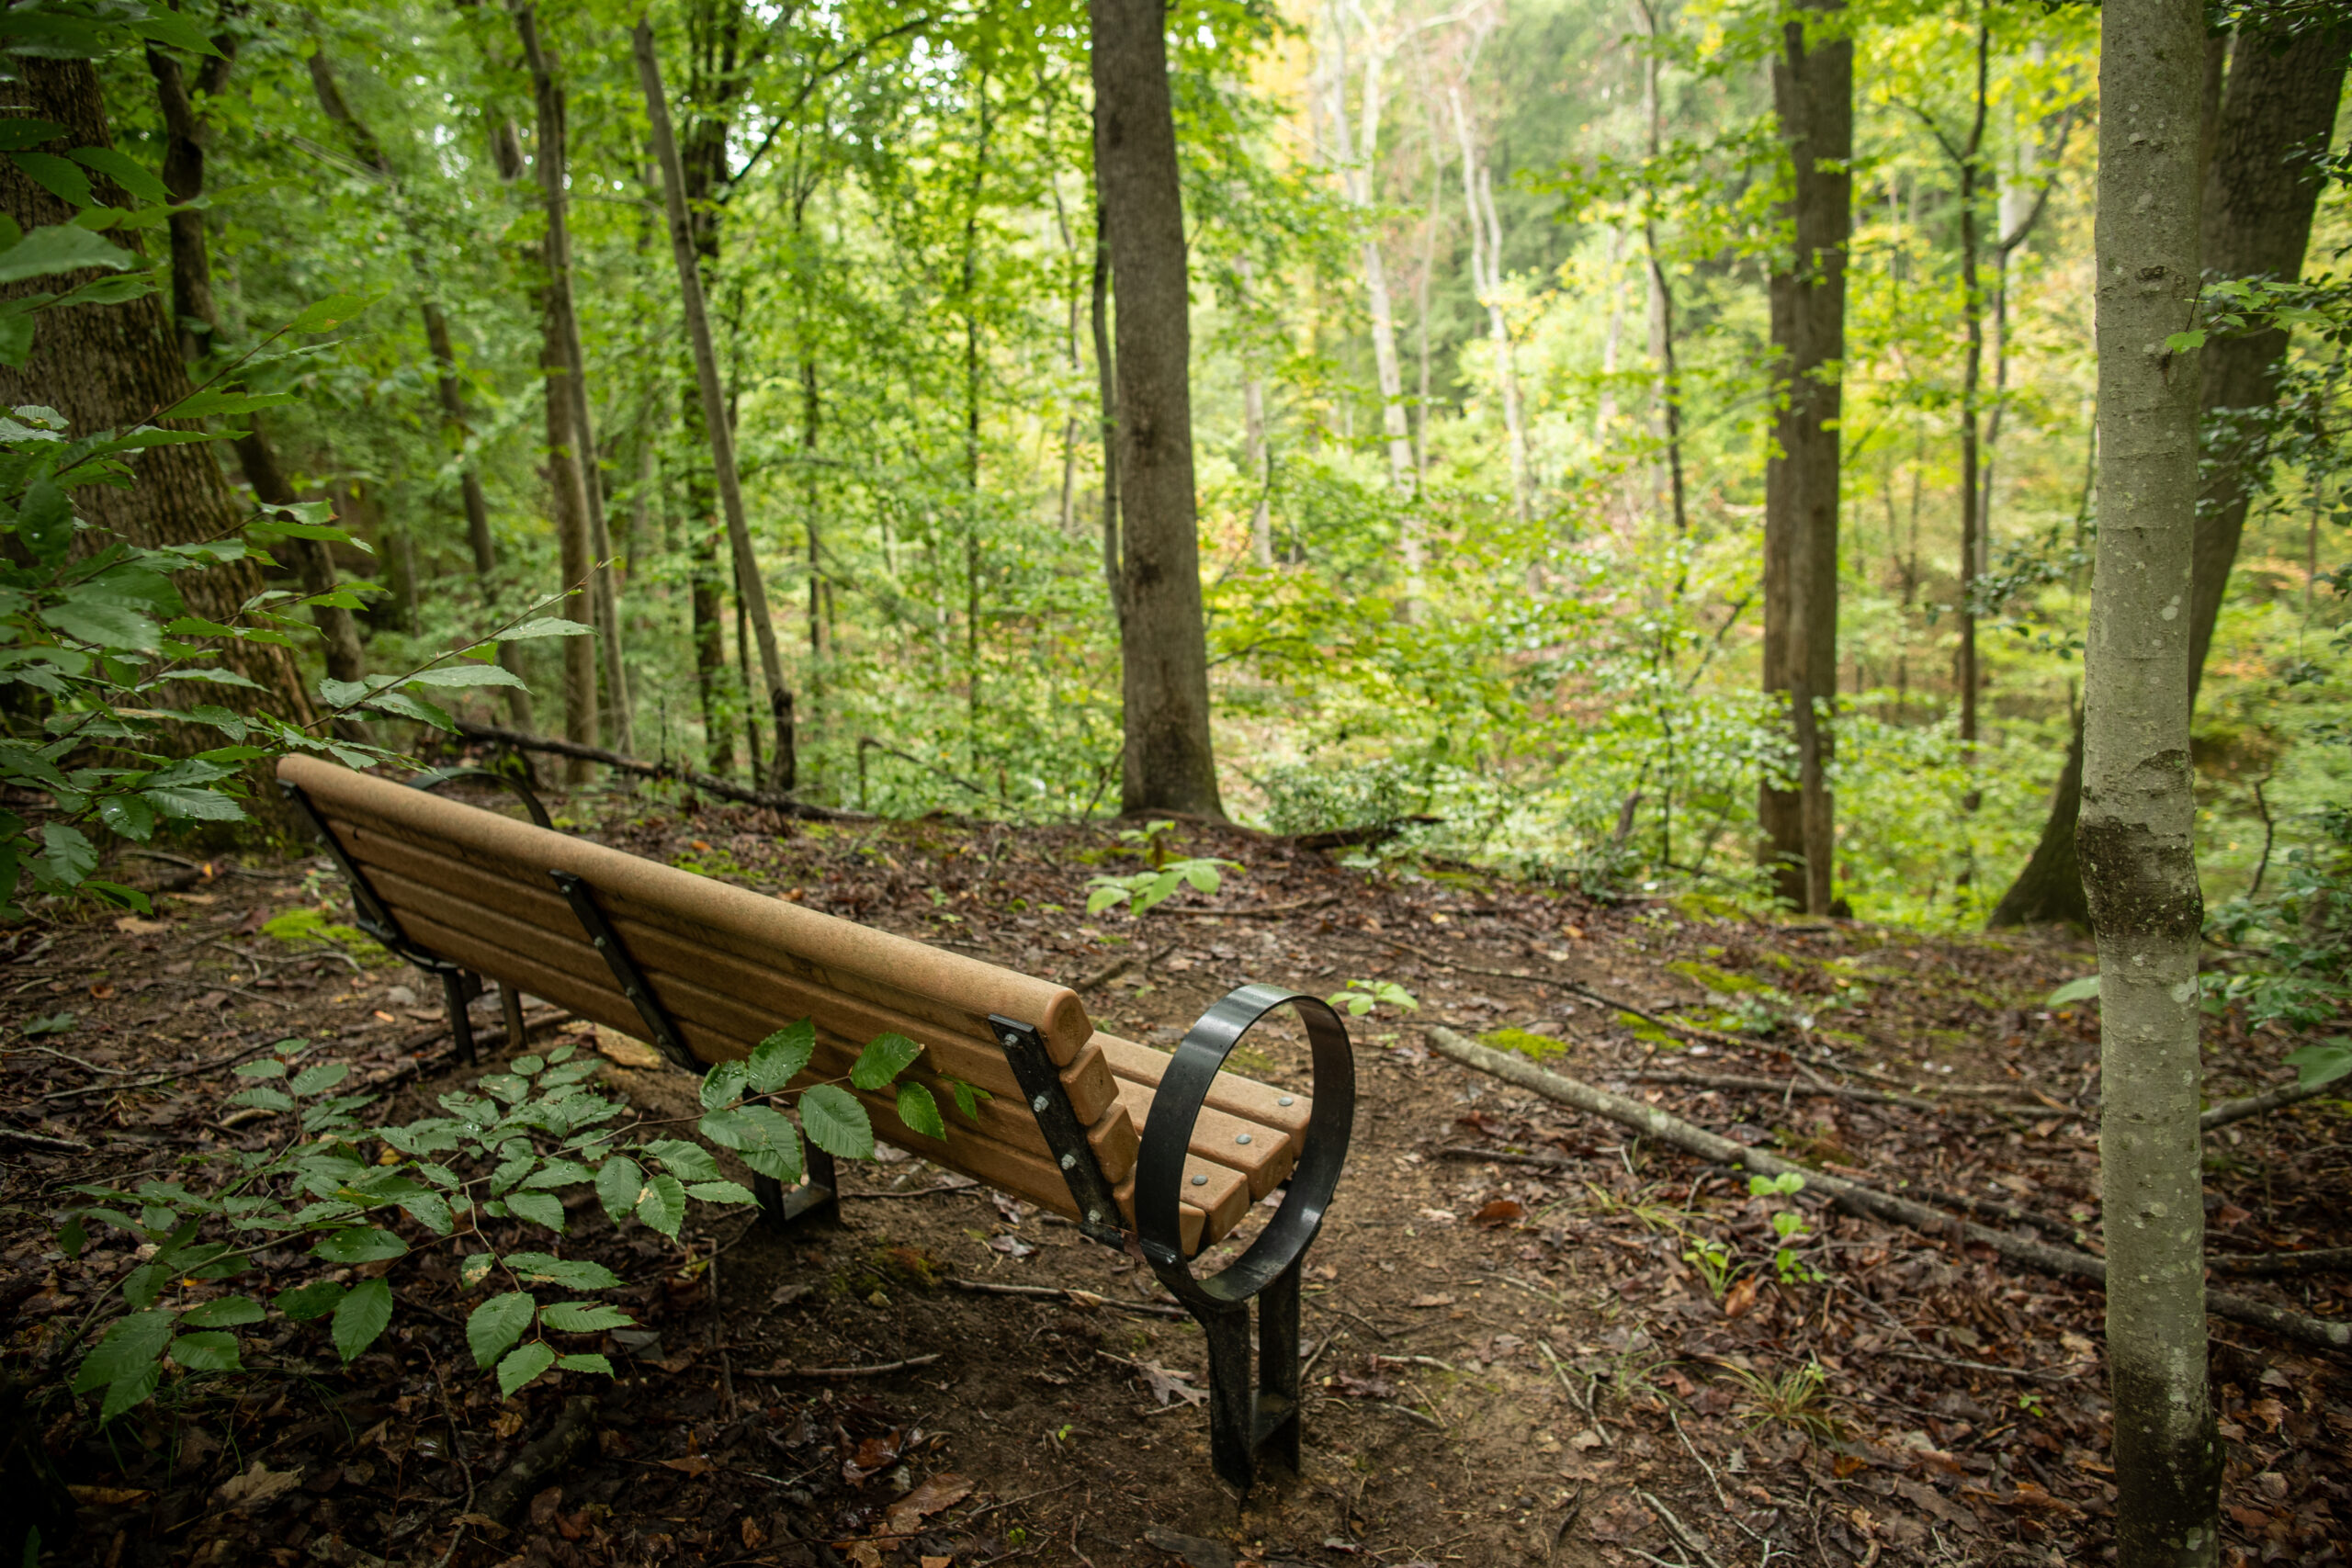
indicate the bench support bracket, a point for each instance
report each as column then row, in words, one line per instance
column 1249, row 1418
column 816, row 1201
column 1033, row 1068
column 369, row 913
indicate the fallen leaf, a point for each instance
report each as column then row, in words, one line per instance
column 1501, row 1211
column 100, row 990
column 1438, row 1217
column 692, row 1464
column 1740, row 1300
column 258, row 1486
column 1432, row 1301
column 935, row 1494
column 1166, row 1384
column 1010, row 1245
column 383, row 1017
column 865, row 1554
column 107, row 1497
column 785, row 1295
column 2268, row 1411
column 1198, row 1552
column 623, row 1052
column 939, row 1562
column 131, row 925
column 753, row 1536
column 1355, row 1387
column 1587, row 1440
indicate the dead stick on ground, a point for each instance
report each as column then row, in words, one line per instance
column 42, row 1140
column 2061, row 1262
column 1818, row 1090
column 514, row 1485
column 2231, row 1110
column 1118, row 966
column 2319, row 1260
column 875, row 1370
column 1075, row 1297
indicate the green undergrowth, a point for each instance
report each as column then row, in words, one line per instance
column 1526, row 1042
column 310, row 928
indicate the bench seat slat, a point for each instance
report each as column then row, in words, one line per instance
column 736, row 1009
column 928, row 982
column 1264, row 1161
column 1231, row 1093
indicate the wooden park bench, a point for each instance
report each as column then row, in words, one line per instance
column 1170, row 1151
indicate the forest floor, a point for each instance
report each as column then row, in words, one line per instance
column 1596, row 1360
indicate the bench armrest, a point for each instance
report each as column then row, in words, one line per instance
column 1168, row 1135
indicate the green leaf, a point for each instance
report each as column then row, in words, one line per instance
column 318, row 1078
column 583, row 1317
column 128, row 815
column 920, row 1112
column 466, row 673
column 781, row 1057
column 16, row 135
column 497, row 1323
column 836, row 1122
column 539, row 1208
column 2082, row 990
column 131, row 1345
column 359, row 1245
column 195, row 805
column 2181, row 342
column 879, row 1065
column 520, row 1368
column 165, row 26
column 328, row 314
column 67, row 855
column 2321, row 1063
column 618, row 1183
column 540, row 1268
column 544, row 626
column 207, row 1353
column 475, row 1268
column 720, row 1193
column 45, row 520
column 723, row 1085
column 589, row 1363
column 57, row 175
column 690, row 1162
column 202, row 404
column 304, row 1303
column 227, row 1312
column 360, row 1316
column 663, row 1204
column 968, row 1098
column 124, row 171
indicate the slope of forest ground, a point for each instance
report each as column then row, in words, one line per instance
column 1593, row 1358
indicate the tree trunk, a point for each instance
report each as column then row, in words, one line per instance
column 2282, row 94
column 1487, row 286
column 1168, row 762
column 108, row 367
column 447, row 388
column 1106, row 380
column 1813, row 83
column 2281, row 100
column 751, row 589
column 604, row 597
column 2139, row 806
column 1661, row 293
column 2050, row 889
column 199, row 325
column 1972, row 517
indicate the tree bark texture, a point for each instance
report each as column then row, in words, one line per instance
column 751, row 589
column 1168, row 763
column 1813, row 90
column 2050, row 889
column 2139, row 809
column 554, row 137
column 108, row 367
column 2279, row 100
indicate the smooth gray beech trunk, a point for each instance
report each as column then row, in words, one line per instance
column 748, row 587
column 1169, row 764
column 1813, row 93
column 2138, row 811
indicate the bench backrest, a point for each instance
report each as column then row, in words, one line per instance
column 730, row 967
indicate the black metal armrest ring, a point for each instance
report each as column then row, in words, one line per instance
column 1167, row 1135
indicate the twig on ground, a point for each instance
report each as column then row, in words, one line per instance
column 1682, row 1534
column 2058, row 1261
column 2063, row 1374
column 875, row 1370
column 200, row 1070
column 2318, row 1260
column 42, row 1140
column 1583, row 1402
column 1075, row 1297
column 1120, row 965
column 2231, row 1110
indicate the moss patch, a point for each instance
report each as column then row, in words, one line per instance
column 1713, row 979
column 310, row 928
column 1535, row 1047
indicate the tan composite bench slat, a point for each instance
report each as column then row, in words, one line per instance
column 1232, row 1093
column 841, row 955
column 1264, row 1161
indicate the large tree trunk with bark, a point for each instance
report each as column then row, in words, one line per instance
column 2279, row 95
column 1813, row 90
column 108, row 366
column 1168, row 763
column 2139, row 806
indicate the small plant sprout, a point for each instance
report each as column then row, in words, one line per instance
column 1712, row 1259
column 1362, row 996
column 1788, row 1225
column 1140, row 891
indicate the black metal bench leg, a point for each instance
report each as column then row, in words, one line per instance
column 1277, row 1414
column 461, row 1027
column 816, row 1202
column 1252, row 1415
column 509, row 1008
column 1232, row 1406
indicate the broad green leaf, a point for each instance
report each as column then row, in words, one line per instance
column 573, row 1274
column 836, row 1122
column 16, row 135
column 543, row 626
column 227, row 1312
column 124, row 171
column 879, row 1065
column 496, row 1325
column 583, row 1317
column 195, row 805
column 359, row 1245
column 2321, row 1063
column 360, row 1316
column 199, row 405
column 318, row 1078
column 539, row 1208
column 2082, row 990
column 588, row 1363
column 45, row 520
column 464, row 674
column 720, row 1193
column 781, row 1057
column 306, row 1301
column 206, row 1352
column 429, row 1210
column 968, row 1098
column 129, row 1345
column 129, row 815
column 723, row 1085
column 526, row 1362
column 59, row 176
column 689, row 1162
column 327, row 313
column 475, row 1268
column 920, row 1112
column 618, row 1183
column 663, row 1204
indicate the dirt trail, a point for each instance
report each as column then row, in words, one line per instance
column 1602, row 1358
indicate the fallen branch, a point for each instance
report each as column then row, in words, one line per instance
column 519, row 1481
column 200, row 1070
column 2319, row 1260
column 2061, row 1262
column 875, row 1370
column 709, row 784
column 1118, row 966
column 1817, row 1087
column 41, row 1141
column 2231, row 1110
column 1075, row 1297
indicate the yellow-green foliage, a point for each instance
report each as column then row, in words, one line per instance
column 310, row 928
column 1715, row 979
column 1536, row 1048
